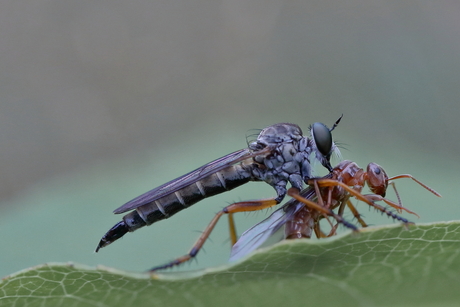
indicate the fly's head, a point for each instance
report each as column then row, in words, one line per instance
column 322, row 144
column 377, row 179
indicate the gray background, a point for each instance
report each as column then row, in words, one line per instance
column 103, row 100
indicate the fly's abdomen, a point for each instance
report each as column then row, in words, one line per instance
column 168, row 205
column 162, row 208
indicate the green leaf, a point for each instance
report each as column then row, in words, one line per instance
column 385, row 266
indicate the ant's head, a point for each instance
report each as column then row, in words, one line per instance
column 377, row 179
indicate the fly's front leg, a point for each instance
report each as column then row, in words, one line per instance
column 244, row 206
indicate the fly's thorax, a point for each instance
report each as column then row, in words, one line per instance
column 288, row 157
column 286, row 162
column 279, row 133
column 284, row 140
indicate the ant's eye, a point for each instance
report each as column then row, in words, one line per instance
column 323, row 138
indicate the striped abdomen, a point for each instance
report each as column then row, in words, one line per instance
column 162, row 208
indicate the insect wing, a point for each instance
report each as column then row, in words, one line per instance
column 189, row 178
column 255, row 236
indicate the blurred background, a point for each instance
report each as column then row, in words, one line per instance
column 103, row 100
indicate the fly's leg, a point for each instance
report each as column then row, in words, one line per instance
column 244, row 206
column 294, row 193
column 232, row 229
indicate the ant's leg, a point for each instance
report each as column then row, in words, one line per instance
column 244, row 206
column 374, row 197
column 320, row 202
column 319, row 234
column 341, row 211
column 333, row 231
column 359, row 196
column 294, row 193
column 356, row 213
column 397, row 195
column 334, row 228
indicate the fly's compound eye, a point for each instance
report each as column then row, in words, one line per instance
column 323, row 138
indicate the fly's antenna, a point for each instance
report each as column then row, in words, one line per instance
column 336, row 123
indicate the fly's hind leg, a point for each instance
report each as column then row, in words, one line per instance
column 244, row 206
column 232, row 229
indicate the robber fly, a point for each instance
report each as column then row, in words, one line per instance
column 301, row 215
column 280, row 155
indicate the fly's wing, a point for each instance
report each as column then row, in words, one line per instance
column 255, row 236
column 187, row 179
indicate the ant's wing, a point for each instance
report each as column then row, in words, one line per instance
column 189, row 178
column 258, row 234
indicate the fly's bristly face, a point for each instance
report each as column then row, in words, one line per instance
column 322, row 144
